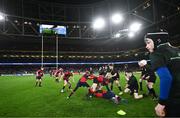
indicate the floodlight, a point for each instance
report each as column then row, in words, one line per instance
column 98, row 23
column 117, row 35
column 1, row 16
column 135, row 27
column 117, row 18
column 131, row 34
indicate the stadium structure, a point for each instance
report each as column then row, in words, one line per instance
column 80, row 34
column 21, row 39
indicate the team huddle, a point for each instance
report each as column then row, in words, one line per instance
column 103, row 82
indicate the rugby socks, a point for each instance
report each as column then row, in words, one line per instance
column 36, row 83
column 120, row 88
column 107, row 87
column 63, row 87
column 73, row 91
column 71, row 94
column 57, row 80
column 39, row 84
column 111, row 87
column 153, row 92
column 149, row 90
column 70, row 86
column 90, row 92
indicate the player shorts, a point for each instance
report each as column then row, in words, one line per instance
column 152, row 79
column 108, row 95
column 38, row 77
column 95, row 81
column 82, row 84
column 66, row 79
column 111, row 80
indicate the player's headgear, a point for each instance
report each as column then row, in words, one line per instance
column 158, row 37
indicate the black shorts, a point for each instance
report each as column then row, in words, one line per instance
column 152, row 79
column 111, row 80
column 134, row 89
column 114, row 79
column 67, row 79
column 105, row 82
column 108, row 95
column 38, row 77
column 82, row 84
column 95, row 81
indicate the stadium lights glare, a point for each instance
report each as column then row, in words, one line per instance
column 135, row 27
column 131, row 34
column 99, row 23
column 117, row 35
column 117, row 18
column 1, row 16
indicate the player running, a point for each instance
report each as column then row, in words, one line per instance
column 39, row 75
column 59, row 74
column 81, row 83
column 66, row 79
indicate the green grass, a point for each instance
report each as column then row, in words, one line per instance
column 20, row 98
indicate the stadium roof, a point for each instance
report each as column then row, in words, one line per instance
column 73, row 1
column 23, row 18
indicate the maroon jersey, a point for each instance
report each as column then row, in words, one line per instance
column 91, row 77
column 53, row 72
column 58, row 72
column 67, row 75
column 39, row 73
column 100, row 78
column 84, row 78
column 100, row 94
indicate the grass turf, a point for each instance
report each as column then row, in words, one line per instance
column 20, row 98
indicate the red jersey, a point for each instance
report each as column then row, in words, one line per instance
column 100, row 78
column 92, row 77
column 53, row 72
column 67, row 75
column 84, row 78
column 39, row 73
column 100, row 94
column 58, row 72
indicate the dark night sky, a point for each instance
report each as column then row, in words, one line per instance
column 171, row 24
column 73, row 1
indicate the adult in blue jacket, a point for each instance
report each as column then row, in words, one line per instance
column 165, row 60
